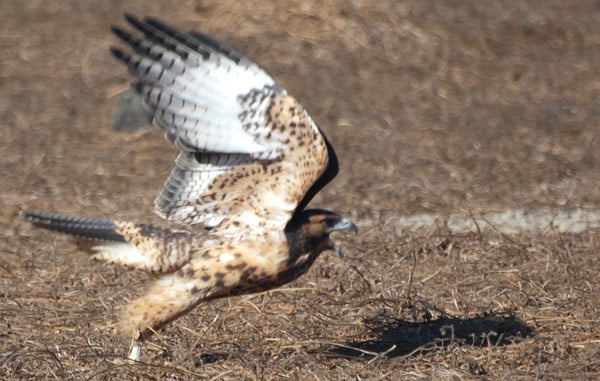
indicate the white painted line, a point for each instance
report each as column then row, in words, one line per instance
column 507, row 222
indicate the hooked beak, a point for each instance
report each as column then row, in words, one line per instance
column 342, row 224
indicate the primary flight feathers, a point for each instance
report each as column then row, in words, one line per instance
column 250, row 160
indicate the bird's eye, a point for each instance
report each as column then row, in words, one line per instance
column 330, row 222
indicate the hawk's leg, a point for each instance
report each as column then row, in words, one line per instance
column 165, row 300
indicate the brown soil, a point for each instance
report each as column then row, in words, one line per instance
column 432, row 106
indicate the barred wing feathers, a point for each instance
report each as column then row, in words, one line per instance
column 247, row 148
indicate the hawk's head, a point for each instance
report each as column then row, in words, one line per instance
column 308, row 233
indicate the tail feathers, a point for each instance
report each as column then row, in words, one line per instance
column 138, row 246
column 97, row 229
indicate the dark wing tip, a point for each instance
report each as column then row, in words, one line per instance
column 126, row 36
column 156, row 23
column 120, row 54
column 133, row 20
column 140, row 24
column 219, row 46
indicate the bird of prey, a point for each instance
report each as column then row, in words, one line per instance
column 250, row 160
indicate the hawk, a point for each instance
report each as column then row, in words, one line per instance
column 251, row 158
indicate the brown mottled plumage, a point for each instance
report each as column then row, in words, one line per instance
column 251, row 159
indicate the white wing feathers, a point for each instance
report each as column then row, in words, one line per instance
column 234, row 125
column 192, row 89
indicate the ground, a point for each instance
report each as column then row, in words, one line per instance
column 433, row 107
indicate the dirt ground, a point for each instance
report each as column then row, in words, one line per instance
column 432, row 106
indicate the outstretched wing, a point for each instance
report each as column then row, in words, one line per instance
column 247, row 148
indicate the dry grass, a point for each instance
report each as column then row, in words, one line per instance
column 432, row 106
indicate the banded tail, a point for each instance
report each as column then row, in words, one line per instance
column 96, row 229
column 138, row 246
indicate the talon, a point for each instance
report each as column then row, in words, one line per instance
column 135, row 352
